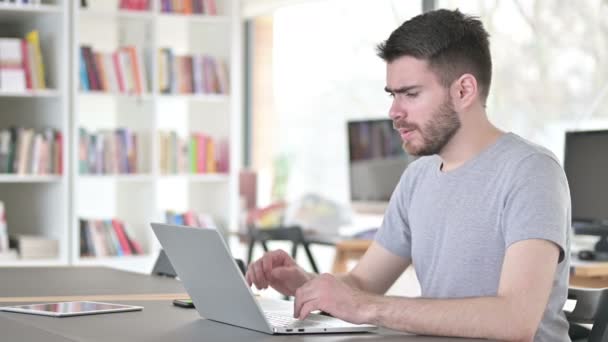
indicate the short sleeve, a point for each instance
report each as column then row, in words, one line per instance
column 538, row 204
column 394, row 233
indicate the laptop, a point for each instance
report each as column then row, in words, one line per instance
column 220, row 293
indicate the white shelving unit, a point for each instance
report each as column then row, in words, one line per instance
column 39, row 204
column 144, row 197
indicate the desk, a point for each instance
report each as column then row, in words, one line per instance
column 83, row 283
column 582, row 273
column 589, row 274
column 348, row 250
column 159, row 321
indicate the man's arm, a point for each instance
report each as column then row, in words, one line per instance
column 513, row 315
column 376, row 271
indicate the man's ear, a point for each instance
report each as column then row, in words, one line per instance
column 464, row 92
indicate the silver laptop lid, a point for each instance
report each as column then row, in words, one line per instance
column 211, row 276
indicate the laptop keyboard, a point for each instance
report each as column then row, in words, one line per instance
column 278, row 319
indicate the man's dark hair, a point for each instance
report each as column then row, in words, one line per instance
column 453, row 43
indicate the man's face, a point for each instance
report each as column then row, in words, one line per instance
column 422, row 110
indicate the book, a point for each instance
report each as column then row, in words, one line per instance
column 12, row 80
column 191, row 74
column 5, row 147
column 198, row 153
column 12, row 74
column 106, row 238
column 35, row 247
column 34, row 39
column 190, row 218
column 3, row 229
column 107, row 152
column 122, row 237
column 85, row 249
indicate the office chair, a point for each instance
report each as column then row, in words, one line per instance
column 295, row 234
column 591, row 308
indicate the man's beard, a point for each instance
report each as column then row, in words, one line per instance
column 442, row 126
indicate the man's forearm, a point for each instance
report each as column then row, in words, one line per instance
column 347, row 278
column 352, row 281
column 482, row 317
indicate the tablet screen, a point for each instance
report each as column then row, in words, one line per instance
column 71, row 308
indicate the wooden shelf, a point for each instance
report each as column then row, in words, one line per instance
column 196, row 18
column 18, row 12
column 47, row 93
column 13, row 178
column 31, row 263
column 122, row 14
column 102, row 94
column 117, row 177
column 201, row 178
column 214, row 98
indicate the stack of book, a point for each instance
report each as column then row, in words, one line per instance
column 107, row 152
column 196, row 74
column 190, row 218
column 21, row 63
column 123, row 71
column 197, row 154
column 99, row 238
column 35, row 247
column 26, row 151
column 134, row 5
column 188, row 7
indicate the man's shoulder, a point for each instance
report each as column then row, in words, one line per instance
column 519, row 150
column 421, row 165
column 522, row 158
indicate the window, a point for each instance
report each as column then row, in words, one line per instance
column 325, row 72
column 549, row 72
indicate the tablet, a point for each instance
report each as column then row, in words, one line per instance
column 70, row 308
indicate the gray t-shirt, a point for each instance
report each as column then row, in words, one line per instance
column 456, row 226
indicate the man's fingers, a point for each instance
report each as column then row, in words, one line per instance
column 280, row 258
column 252, row 275
column 267, row 266
column 282, row 273
column 307, row 308
column 262, row 283
column 303, row 294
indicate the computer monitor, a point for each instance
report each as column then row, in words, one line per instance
column 586, row 167
column 376, row 162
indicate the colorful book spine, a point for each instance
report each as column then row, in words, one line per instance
column 122, row 237
column 34, row 39
column 109, row 237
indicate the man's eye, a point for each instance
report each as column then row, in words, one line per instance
column 391, row 95
column 412, row 95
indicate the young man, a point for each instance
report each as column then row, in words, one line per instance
column 483, row 215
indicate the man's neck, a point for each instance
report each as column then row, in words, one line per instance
column 468, row 142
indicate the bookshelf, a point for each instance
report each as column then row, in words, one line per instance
column 30, row 94
column 27, row 13
column 144, row 196
column 38, row 204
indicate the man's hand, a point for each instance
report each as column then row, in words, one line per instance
column 277, row 270
column 333, row 296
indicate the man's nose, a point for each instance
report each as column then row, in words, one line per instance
column 396, row 113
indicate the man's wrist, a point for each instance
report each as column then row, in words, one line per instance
column 371, row 306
